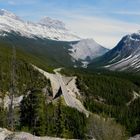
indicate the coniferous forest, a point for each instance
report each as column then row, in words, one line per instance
column 111, row 97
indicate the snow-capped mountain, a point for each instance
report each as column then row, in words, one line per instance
column 46, row 28
column 125, row 56
column 77, row 49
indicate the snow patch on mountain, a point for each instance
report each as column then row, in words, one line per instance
column 46, row 28
column 131, row 62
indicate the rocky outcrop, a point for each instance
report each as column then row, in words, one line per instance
column 5, row 102
column 8, row 135
column 137, row 137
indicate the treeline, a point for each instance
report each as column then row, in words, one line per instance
column 109, row 95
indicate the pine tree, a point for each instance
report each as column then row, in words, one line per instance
column 34, row 119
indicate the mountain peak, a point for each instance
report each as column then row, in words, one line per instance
column 6, row 13
column 86, row 49
column 133, row 36
column 52, row 23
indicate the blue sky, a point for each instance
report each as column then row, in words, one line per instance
column 106, row 21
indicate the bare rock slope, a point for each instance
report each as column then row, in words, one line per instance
column 68, row 87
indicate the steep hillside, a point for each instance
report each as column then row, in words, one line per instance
column 53, row 53
column 111, row 94
column 24, row 73
column 125, row 56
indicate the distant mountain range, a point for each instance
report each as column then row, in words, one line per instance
column 54, row 44
column 45, row 28
column 49, row 39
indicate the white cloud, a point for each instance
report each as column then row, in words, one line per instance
column 105, row 31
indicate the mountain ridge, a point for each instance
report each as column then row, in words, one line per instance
column 124, row 57
column 11, row 22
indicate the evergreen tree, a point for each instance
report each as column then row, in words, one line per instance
column 33, row 111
